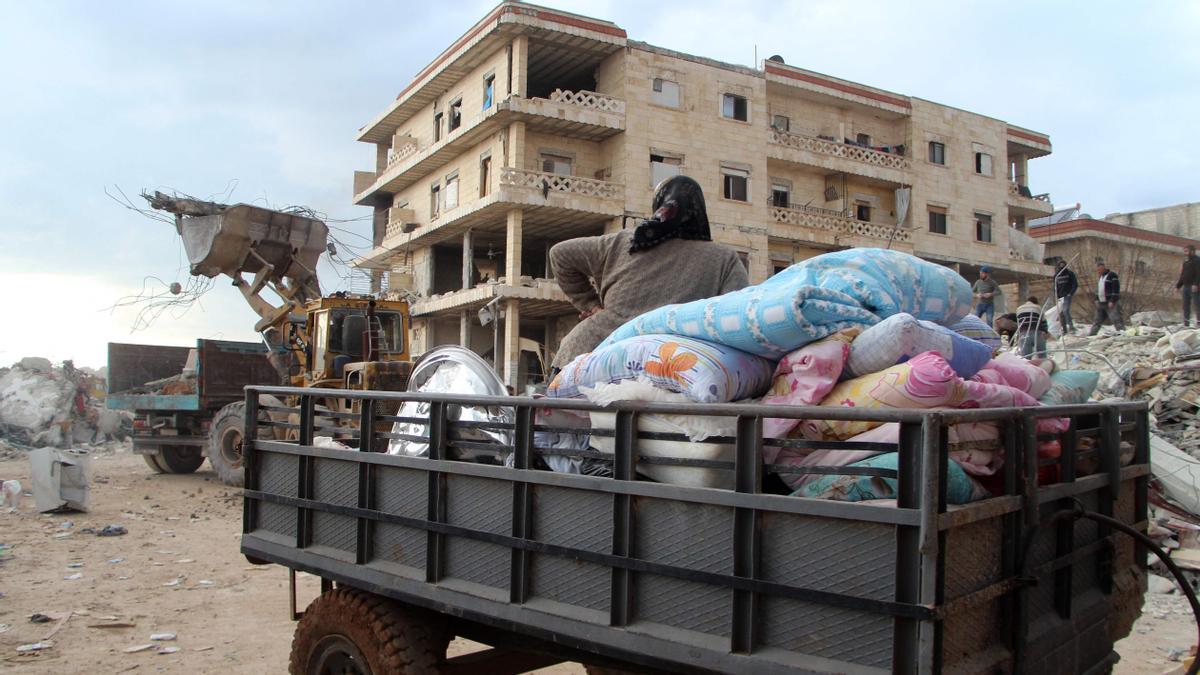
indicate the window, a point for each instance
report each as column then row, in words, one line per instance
column 735, row 184
column 455, row 115
column 781, row 194
column 734, row 107
column 983, row 164
column 937, row 220
column 450, row 193
column 489, row 90
column 937, row 153
column 435, row 200
column 862, row 211
column 983, row 228
column 665, row 92
column 863, row 139
column 556, row 164
column 1139, row 267
column 663, row 167
column 781, row 123
column 437, row 127
column 485, row 175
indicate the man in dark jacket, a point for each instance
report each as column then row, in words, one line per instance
column 1108, row 299
column 1189, row 284
column 1065, row 285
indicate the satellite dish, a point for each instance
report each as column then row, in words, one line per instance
column 777, row 59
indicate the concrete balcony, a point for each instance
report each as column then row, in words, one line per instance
column 1022, row 247
column 834, row 156
column 1025, row 203
column 554, row 207
column 585, row 115
column 538, row 298
column 832, row 228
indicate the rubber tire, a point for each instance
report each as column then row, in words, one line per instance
column 390, row 639
column 152, row 462
column 180, row 460
column 228, row 421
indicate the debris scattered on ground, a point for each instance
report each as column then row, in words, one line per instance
column 34, row 647
column 11, row 490
column 46, row 406
column 73, row 577
column 119, row 624
column 40, row 618
column 168, row 650
column 111, row 531
column 1161, row 585
column 140, row 648
column 162, row 637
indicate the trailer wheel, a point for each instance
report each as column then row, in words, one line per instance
column 351, row 631
column 225, row 444
column 152, row 462
column 179, row 460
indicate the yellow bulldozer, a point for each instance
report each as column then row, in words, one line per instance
column 342, row 341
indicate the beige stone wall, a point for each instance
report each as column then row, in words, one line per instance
column 1181, row 220
column 589, row 157
column 467, row 165
column 955, row 185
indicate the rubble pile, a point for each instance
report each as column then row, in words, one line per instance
column 46, row 406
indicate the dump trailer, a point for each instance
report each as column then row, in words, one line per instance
column 176, row 393
column 620, row 572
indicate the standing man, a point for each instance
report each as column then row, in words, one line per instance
column 985, row 290
column 1108, row 299
column 1189, row 284
column 1065, row 285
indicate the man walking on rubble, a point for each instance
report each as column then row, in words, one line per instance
column 985, row 290
column 1189, row 284
column 1108, row 299
column 1065, row 285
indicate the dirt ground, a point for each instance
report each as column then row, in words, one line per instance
column 178, row 571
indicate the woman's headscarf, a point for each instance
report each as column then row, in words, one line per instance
column 678, row 214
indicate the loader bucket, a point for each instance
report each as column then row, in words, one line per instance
column 242, row 237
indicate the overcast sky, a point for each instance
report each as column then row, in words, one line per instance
column 260, row 102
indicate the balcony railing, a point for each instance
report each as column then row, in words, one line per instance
column 821, row 146
column 402, row 153
column 1015, row 190
column 589, row 99
column 833, row 221
column 550, row 182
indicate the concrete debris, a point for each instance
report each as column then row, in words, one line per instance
column 46, row 406
column 1160, row 585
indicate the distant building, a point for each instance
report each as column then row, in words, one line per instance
column 1147, row 262
column 1181, row 220
column 538, row 125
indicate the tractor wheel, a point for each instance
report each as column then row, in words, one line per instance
column 179, row 459
column 351, row 631
column 152, row 462
column 225, row 444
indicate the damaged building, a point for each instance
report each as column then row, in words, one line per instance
column 538, row 125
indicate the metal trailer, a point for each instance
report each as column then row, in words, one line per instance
column 172, row 430
column 637, row 575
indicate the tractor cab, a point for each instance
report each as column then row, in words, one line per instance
column 358, row 342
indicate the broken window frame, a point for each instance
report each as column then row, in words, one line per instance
column 455, row 120
column 937, row 153
column 938, row 219
column 732, row 104
column 778, row 188
column 489, row 90
column 781, row 123
column 450, row 192
column 556, row 161
column 437, row 126
column 983, row 227
column 735, row 181
column 862, row 211
column 984, row 164
column 665, row 92
column 485, row 174
column 435, row 200
column 662, row 173
column 863, row 139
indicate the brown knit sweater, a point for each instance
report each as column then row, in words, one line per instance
column 601, row 272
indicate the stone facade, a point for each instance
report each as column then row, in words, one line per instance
column 538, row 125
